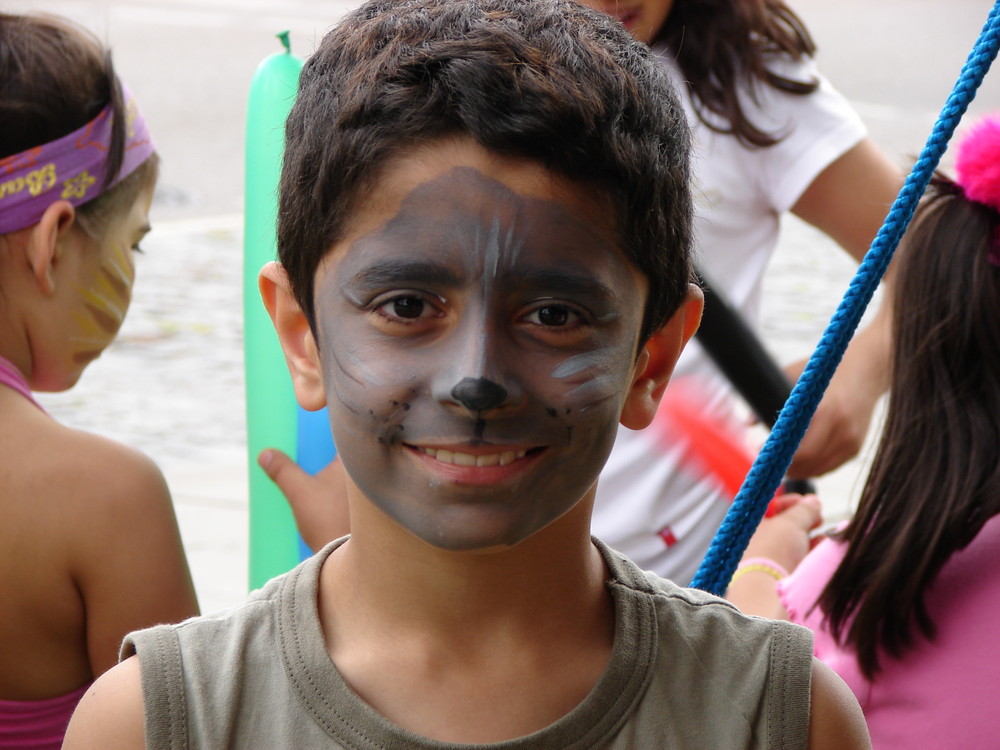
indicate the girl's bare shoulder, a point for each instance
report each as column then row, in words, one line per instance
column 69, row 481
column 38, row 451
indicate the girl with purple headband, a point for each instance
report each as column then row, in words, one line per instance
column 905, row 598
column 91, row 545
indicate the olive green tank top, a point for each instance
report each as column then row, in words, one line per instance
column 687, row 671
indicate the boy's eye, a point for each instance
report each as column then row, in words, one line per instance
column 405, row 308
column 553, row 316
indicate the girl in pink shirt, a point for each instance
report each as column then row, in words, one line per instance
column 904, row 599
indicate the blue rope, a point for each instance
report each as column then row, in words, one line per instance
column 775, row 456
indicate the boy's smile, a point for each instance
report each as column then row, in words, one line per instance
column 478, row 331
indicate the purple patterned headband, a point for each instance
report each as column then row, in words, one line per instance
column 70, row 168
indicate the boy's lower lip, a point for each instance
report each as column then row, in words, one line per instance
column 478, row 468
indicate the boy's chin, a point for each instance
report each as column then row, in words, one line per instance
column 475, row 531
column 467, row 541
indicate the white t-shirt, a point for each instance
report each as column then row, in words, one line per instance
column 653, row 503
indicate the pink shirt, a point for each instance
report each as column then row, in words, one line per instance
column 944, row 694
column 37, row 725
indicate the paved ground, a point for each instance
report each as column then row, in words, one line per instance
column 173, row 384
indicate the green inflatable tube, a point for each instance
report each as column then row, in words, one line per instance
column 271, row 407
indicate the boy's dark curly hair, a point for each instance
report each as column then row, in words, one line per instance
column 545, row 80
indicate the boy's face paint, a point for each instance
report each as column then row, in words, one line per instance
column 478, row 330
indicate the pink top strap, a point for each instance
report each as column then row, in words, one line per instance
column 11, row 377
column 37, row 725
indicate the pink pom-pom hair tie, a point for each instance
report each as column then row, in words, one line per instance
column 977, row 166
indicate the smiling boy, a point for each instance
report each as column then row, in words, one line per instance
column 483, row 235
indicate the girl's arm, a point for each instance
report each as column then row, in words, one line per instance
column 848, row 201
column 778, row 546
column 782, row 541
column 124, row 546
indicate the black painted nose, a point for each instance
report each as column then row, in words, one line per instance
column 479, row 394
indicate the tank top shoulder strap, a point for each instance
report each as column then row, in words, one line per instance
column 11, row 377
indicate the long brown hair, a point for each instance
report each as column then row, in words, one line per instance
column 724, row 47
column 935, row 479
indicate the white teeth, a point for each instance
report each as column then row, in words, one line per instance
column 468, row 459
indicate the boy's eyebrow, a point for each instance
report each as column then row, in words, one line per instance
column 563, row 281
column 394, row 272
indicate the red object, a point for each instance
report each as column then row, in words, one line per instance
column 708, row 444
column 667, row 535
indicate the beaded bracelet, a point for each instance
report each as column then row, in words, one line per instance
column 762, row 564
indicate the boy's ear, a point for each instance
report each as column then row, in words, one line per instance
column 46, row 243
column 297, row 340
column 656, row 361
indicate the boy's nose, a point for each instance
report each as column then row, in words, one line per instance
column 479, row 394
column 474, row 374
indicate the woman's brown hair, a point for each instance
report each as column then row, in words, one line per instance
column 725, row 47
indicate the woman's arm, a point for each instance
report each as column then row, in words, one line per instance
column 848, row 201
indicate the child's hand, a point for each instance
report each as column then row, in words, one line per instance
column 784, row 537
column 782, row 540
column 319, row 502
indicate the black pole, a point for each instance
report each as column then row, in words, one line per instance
column 739, row 354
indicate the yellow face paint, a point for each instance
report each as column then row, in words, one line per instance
column 92, row 273
column 104, row 304
column 103, row 288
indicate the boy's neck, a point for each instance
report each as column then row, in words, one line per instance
column 384, row 566
column 469, row 646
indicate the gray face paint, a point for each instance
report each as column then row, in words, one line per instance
column 477, row 325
